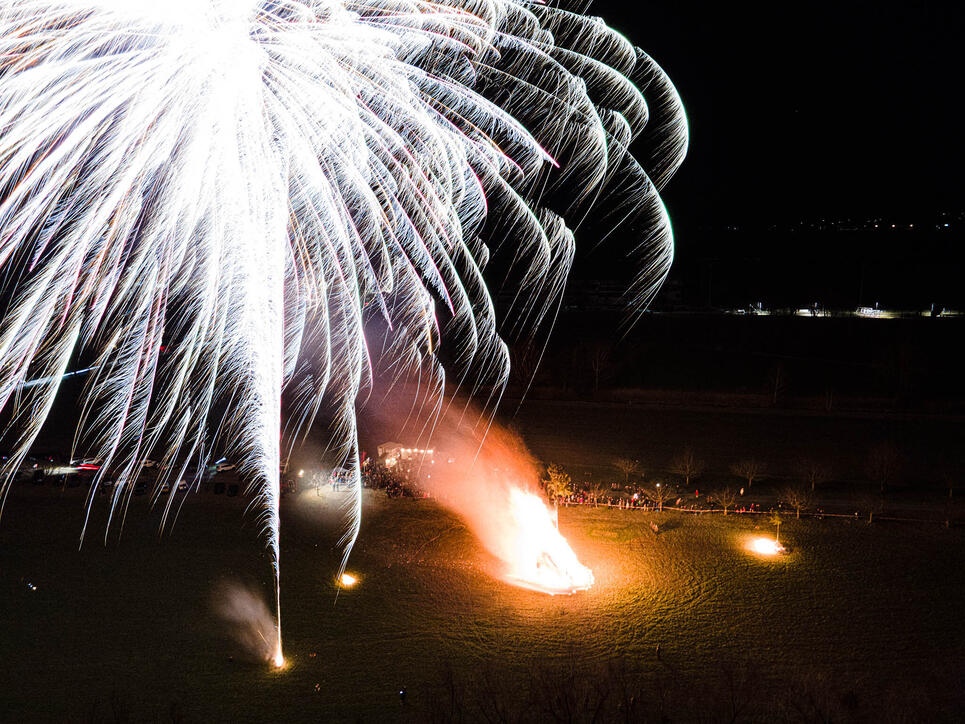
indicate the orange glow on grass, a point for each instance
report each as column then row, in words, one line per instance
column 541, row 558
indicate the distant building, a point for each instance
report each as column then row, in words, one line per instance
column 394, row 453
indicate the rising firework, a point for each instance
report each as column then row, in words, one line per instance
column 207, row 201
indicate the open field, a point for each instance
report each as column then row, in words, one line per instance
column 859, row 621
column 587, row 437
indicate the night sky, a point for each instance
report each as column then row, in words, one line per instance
column 801, row 112
column 807, row 109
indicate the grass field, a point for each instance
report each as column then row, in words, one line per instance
column 588, row 437
column 858, row 622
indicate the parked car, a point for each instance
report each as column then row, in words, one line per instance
column 87, row 464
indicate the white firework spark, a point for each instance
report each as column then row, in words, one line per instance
column 252, row 182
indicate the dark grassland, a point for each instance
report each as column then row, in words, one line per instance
column 858, row 623
column 587, row 437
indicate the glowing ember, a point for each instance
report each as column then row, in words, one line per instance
column 766, row 546
column 541, row 557
column 278, row 660
column 348, row 580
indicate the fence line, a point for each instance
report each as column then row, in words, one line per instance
column 702, row 511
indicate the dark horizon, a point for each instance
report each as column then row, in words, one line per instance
column 801, row 118
column 809, row 111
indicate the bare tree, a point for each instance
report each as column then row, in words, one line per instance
column 660, row 493
column 950, row 478
column 726, row 497
column 884, row 464
column 778, row 382
column 871, row 503
column 777, row 520
column 814, row 472
column 627, row 466
column 597, row 491
column 524, row 363
column 599, row 359
column 750, row 470
column 688, row 465
column 799, row 498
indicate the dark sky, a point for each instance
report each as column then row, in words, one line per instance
column 807, row 109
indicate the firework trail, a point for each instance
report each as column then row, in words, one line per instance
column 250, row 185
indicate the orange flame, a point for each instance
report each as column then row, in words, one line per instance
column 541, row 558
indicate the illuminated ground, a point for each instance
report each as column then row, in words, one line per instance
column 856, row 619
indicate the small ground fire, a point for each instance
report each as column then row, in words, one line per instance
column 766, row 546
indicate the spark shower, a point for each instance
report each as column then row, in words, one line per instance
column 215, row 202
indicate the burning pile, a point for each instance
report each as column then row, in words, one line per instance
column 539, row 557
column 491, row 481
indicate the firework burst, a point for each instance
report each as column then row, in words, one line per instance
column 207, row 202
